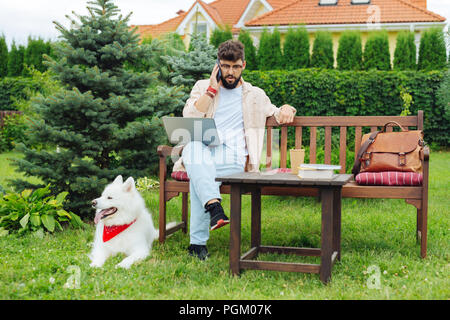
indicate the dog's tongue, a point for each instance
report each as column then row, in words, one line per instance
column 99, row 215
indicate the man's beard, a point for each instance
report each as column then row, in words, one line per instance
column 232, row 85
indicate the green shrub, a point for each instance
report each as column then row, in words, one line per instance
column 349, row 56
column 405, row 52
column 296, row 49
column 15, row 60
column 432, row 50
column 12, row 132
column 250, row 50
column 322, row 54
column 376, row 52
column 35, row 210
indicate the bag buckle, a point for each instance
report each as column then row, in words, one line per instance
column 366, row 158
column 401, row 159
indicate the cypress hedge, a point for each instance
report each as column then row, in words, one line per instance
column 316, row 92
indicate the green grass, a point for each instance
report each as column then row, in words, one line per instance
column 378, row 233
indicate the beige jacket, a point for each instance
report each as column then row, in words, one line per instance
column 256, row 107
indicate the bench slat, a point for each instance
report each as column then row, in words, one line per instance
column 269, row 148
column 312, row 145
column 298, row 137
column 350, row 121
column 327, row 145
column 358, row 135
column 283, row 147
column 342, row 148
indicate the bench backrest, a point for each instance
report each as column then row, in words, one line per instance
column 374, row 123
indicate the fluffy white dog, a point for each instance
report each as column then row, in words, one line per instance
column 123, row 225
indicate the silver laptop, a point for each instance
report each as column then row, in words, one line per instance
column 184, row 130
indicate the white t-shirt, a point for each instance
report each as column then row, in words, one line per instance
column 230, row 123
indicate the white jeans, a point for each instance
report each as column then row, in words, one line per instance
column 203, row 164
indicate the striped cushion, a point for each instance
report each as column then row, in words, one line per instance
column 183, row 176
column 390, row 178
column 180, row 176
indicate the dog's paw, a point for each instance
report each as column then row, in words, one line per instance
column 124, row 265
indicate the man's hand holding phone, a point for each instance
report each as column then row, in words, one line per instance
column 214, row 80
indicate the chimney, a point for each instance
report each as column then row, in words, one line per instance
column 180, row 12
column 420, row 3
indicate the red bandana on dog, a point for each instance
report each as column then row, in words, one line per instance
column 112, row 231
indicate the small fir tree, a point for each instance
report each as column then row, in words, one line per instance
column 250, row 50
column 191, row 66
column 432, row 50
column 322, row 55
column 102, row 120
column 376, row 52
column 349, row 55
column 3, row 57
column 405, row 52
column 296, row 49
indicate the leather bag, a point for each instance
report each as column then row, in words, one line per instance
column 390, row 151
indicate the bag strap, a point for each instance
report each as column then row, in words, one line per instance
column 394, row 122
column 362, row 150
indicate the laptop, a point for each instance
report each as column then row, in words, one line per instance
column 184, row 130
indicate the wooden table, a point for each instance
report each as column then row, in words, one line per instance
column 330, row 191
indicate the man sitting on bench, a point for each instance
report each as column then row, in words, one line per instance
column 240, row 111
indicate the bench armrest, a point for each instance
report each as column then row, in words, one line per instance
column 166, row 151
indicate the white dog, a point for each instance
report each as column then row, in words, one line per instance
column 123, row 225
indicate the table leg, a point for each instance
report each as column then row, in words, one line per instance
column 256, row 218
column 327, row 234
column 337, row 222
column 235, row 229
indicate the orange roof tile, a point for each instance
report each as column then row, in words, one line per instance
column 311, row 13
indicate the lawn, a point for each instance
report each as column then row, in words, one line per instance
column 378, row 240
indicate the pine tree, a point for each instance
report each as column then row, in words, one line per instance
column 296, row 49
column 349, row 56
column 102, row 120
column 405, row 52
column 15, row 60
column 275, row 41
column 432, row 50
column 376, row 52
column 250, row 50
column 3, row 57
column 322, row 55
column 191, row 66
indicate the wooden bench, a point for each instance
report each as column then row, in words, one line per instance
column 414, row 195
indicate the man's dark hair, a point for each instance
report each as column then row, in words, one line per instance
column 231, row 50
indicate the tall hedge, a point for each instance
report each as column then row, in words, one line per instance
column 432, row 50
column 331, row 92
column 322, row 54
column 349, row 56
column 376, row 52
column 15, row 60
column 3, row 57
column 269, row 51
column 296, row 49
column 405, row 51
column 220, row 35
column 250, row 50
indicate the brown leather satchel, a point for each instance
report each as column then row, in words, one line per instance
column 390, row 151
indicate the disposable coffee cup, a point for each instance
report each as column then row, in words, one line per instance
column 297, row 158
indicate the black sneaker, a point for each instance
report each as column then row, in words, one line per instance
column 218, row 217
column 198, row 251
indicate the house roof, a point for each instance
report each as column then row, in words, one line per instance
column 286, row 12
column 310, row 12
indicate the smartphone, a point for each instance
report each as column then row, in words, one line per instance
column 219, row 74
